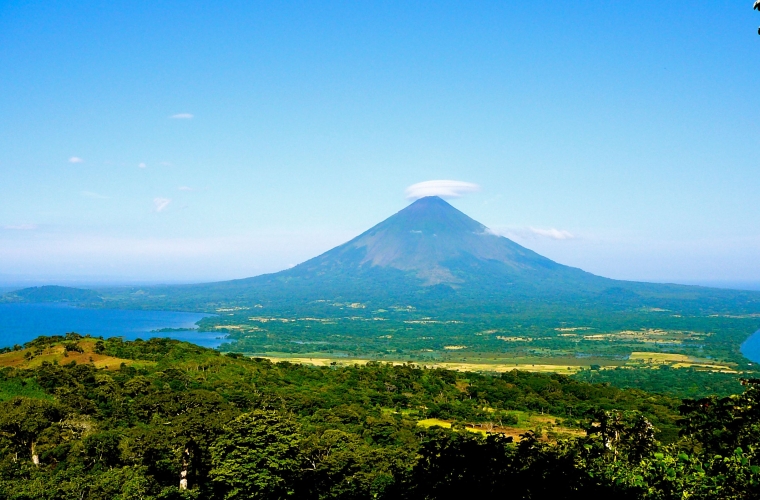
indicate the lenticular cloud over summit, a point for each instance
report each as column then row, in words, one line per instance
column 443, row 189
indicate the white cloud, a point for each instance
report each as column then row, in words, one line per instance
column 21, row 227
column 442, row 188
column 90, row 194
column 161, row 203
column 554, row 234
column 141, row 165
column 185, row 188
column 75, row 159
column 182, row 116
column 533, row 232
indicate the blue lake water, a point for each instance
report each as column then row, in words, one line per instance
column 751, row 347
column 20, row 323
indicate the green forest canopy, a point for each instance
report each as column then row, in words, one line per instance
column 174, row 420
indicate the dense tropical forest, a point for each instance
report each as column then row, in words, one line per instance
column 90, row 418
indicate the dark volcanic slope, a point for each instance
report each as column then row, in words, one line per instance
column 428, row 254
column 433, row 256
column 437, row 244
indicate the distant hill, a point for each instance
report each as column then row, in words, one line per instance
column 52, row 294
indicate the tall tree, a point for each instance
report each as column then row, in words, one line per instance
column 23, row 420
column 191, row 421
column 256, row 457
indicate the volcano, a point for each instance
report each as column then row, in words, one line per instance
column 429, row 256
column 437, row 244
column 427, row 253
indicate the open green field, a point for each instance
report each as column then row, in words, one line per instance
column 545, row 427
column 493, row 365
column 669, row 373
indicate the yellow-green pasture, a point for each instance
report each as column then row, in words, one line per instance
column 546, row 427
column 542, row 365
column 675, row 360
column 57, row 354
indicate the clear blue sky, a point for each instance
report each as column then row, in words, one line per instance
column 620, row 137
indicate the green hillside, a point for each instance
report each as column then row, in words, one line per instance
column 176, row 421
column 52, row 293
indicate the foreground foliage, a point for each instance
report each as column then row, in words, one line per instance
column 188, row 422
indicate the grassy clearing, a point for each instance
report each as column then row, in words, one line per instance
column 488, row 362
column 57, row 354
column 437, row 422
column 505, row 367
column 10, row 388
column 496, row 367
column 658, row 357
column 546, row 427
column 674, row 360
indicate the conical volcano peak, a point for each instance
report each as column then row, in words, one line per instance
column 431, row 201
column 430, row 204
column 435, row 242
column 429, row 215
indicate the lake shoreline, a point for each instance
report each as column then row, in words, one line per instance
column 750, row 348
column 23, row 322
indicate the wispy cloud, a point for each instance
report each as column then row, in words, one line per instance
column 142, row 165
column 75, row 159
column 166, row 164
column 442, row 188
column 21, row 227
column 552, row 233
column 533, row 232
column 182, row 116
column 185, row 188
column 160, row 204
column 90, row 194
